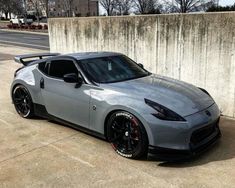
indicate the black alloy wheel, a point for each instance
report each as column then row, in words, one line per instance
column 22, row 101
column 127, row 135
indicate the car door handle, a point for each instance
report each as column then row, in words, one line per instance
column 42, row 85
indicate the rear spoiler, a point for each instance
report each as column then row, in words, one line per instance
column 27, row 59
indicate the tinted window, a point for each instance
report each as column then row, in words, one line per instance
column 43, row 67
column 61, row 67
column 112, row 69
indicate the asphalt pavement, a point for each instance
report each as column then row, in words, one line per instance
column 35, row 41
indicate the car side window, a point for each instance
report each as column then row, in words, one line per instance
column 43, row 67
column 58, row 68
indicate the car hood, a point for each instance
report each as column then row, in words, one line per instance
column 180, row 97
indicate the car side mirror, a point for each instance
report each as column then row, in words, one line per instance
column 73, row 78
column 79, row 82
column 141, row 65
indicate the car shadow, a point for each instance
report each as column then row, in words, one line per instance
column 37, row 118
column 76, row 129
column 221, row 151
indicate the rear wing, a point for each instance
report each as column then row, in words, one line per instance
column 27, row 59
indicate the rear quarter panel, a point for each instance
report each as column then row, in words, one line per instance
column 30, row 78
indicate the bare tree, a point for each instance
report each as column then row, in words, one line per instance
column 109, row 6
column 68, row 7
column 24, row 7
column 16, row 7
column 45, row 7
column 147, row 6
column 5, row 7
column 123, row 7
column 11, row 6
column 218, row 8
column 184, row 6
column 37, row 6
column 40, row 6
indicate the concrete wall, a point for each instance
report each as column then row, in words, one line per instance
column 197, row 48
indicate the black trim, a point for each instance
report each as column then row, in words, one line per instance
column 167, row 154
column 203, row 146
column 205, row 91
column 42, row 85
column 163, row 154
column 203, row 135
column 21, row 58
column 116, row 55
column 40, row 110
column 17, row 71
column 75, row 62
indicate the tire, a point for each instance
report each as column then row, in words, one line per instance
column 127, row 135
column 23, row 102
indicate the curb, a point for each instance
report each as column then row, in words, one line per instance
column 29, row 32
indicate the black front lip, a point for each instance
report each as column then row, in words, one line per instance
column 167, row 154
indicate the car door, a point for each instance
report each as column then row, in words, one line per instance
column 62, row 99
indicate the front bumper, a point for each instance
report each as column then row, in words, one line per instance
column 168, row 154
column 185, row 139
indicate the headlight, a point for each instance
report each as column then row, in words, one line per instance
column 163, row 113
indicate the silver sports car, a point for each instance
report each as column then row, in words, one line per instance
column 110, row 96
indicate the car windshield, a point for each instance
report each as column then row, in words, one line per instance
column 112, row 69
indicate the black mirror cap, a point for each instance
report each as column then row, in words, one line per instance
column 79, row 82
column 141, row 65
column 71, row 78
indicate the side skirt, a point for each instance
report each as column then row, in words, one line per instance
column 40, row 111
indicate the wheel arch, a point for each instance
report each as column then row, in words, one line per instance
column 133, row 112
column 27, row 101
column 106, row 121
column 13, row 87
column 15, row 84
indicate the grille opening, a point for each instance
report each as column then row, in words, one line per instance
column 201, row 134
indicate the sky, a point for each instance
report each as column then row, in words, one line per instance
column 227, row 2
column 221, row 2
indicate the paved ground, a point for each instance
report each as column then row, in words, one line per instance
column 3, row 24
column 38, row 153
column 35, row 41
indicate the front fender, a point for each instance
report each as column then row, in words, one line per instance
column 138, row 114
column 106, row 107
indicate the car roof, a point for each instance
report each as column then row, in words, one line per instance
column 91, row 55
column 79, row 56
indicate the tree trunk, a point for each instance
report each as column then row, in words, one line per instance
column 47, row 8
column 38, row 18
column 6, row 15
column 70, row 8
column 37, row 15
column 25, row 6
column 89, row 8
